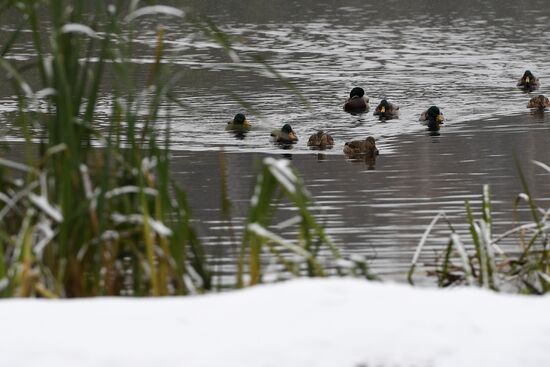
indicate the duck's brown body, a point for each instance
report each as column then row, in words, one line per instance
column 361, row 147
column 386, row 110
column 320, row 140
column 539, row 102
column 357, row 104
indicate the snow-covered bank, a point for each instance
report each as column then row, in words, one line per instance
column 336, row 322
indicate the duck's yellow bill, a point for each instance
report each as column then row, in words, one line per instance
column 527, row 80
column 439, row 118
column 382, row 109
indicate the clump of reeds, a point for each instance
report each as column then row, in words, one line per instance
column 311, row 253
column 525, row 269
column 79, row 220
column 93, row 210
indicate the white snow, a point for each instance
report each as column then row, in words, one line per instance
column 334, row 322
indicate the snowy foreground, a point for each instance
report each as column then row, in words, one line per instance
column 336, row 323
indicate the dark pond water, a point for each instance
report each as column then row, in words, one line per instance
column 382, row 213
column 464, row 56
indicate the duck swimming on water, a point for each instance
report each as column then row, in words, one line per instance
column 386, row 110
column 361, row 147
column 321, row 140
column 528, row 82
column 357, row 102
column 239, row 122
column 433, row 118
column 285, row 135
column 539, row 102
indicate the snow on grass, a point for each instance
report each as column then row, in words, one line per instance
column 335, row 322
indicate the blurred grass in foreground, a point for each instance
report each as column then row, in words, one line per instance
column 95, row 211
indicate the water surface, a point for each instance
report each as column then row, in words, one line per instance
column 464, row 56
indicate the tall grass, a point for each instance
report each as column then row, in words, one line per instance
column 94, row 211
column 524, row 269
column 73, row 212
column 302, row 256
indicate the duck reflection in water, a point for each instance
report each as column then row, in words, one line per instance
column 321, row 157
column 538, row 115
column 362, row 150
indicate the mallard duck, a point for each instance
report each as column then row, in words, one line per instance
column 386, row 110
column 239, row 122
column 365, row 147
column 528, row 81
column 285, row 135
column 357, row 102
column 433, row 118
column 539, row 102
column 320, row 140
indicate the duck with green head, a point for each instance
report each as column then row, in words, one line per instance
column 285, row 135
column 357, row 148
column 357, row 102
column 433, row 118
column 239, row 122
column 539, row 102
column 320, row 140
column 528, row 82
column 386, row 110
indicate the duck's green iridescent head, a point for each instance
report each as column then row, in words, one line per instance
column 239, row 119
column 286, row 128
column 356, row 92
column 433, row 112
column 528, row 74
column 383, row 106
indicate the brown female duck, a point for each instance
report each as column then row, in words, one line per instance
column 366, row 147
column 539, row 102
column 321, row 140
